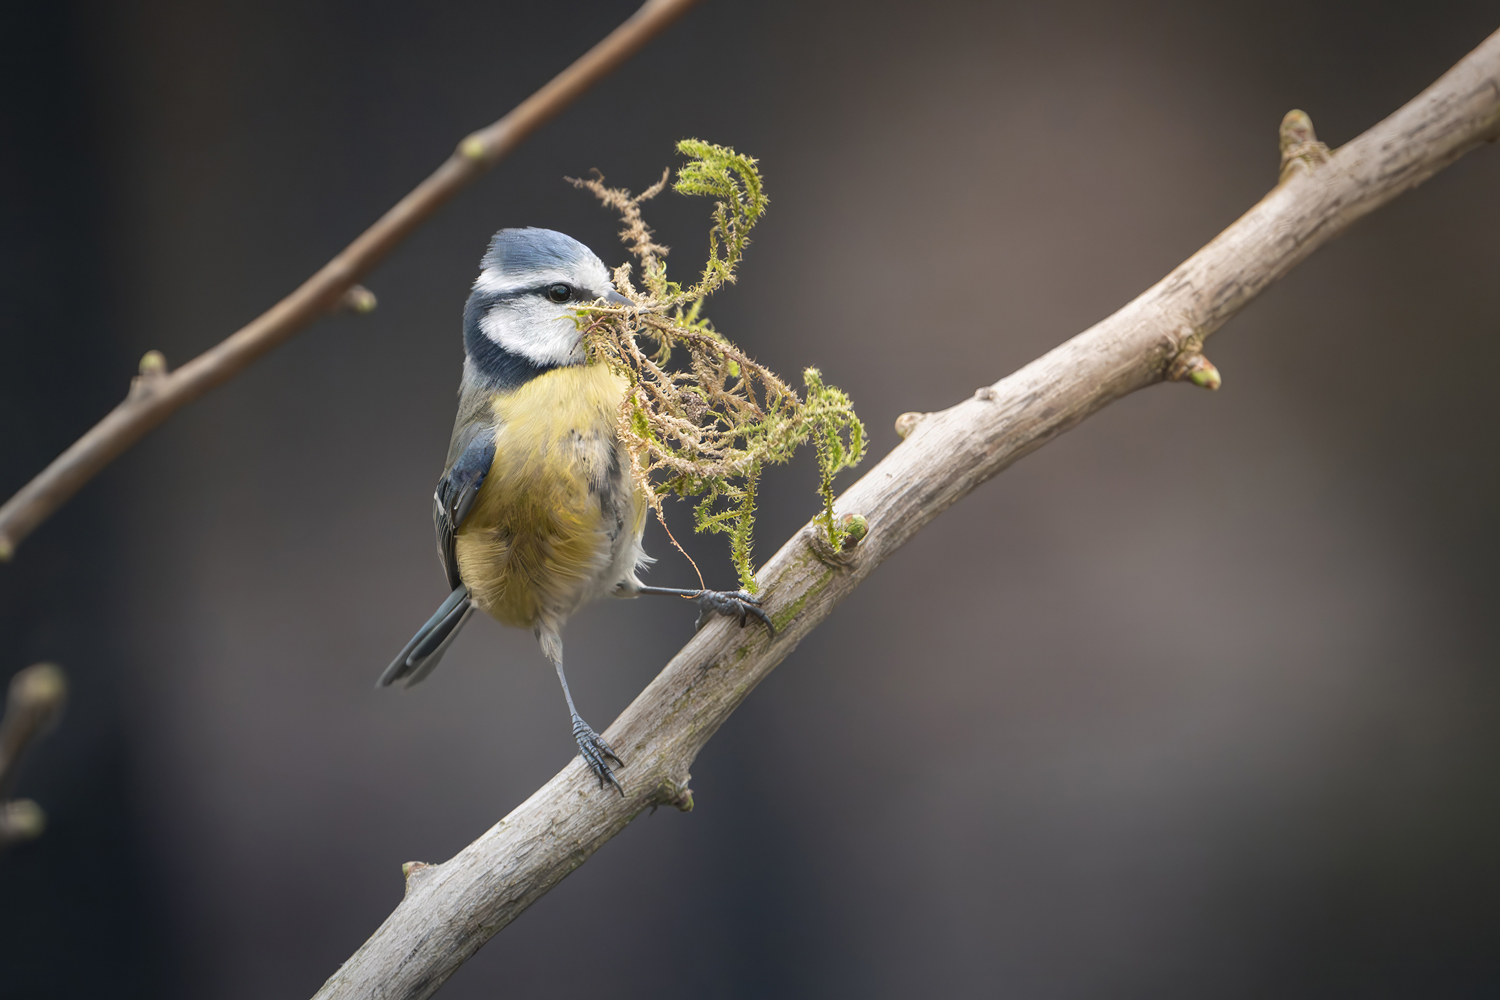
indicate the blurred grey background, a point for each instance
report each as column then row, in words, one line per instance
column 1198, row 700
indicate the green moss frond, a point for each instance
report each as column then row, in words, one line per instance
column 708, row 427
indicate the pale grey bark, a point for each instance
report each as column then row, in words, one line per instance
column 450, row 909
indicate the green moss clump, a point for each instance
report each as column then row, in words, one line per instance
column 708, row 427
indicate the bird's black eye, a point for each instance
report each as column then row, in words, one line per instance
column 559, row 292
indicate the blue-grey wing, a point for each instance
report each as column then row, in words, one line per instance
column 473, row 454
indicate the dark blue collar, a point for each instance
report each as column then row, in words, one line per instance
column 505, row 370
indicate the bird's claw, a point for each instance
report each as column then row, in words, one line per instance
column 595, row 752
column 734, row 603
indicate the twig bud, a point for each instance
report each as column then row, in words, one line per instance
column 33, row 706
column 153, row 368
column 1301, row 152
column 473, row 148
column 1191, row 366
column 856, row 527
column 358, row 299
column 672, row 794
column 153, row 364
column 20, row 821
column 907, row 422
column 1296, row 128
column 413, row 871
column 38, row 692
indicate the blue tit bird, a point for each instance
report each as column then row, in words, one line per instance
column 536, row 513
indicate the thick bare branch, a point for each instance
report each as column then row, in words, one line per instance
column 450, row 909
column 157, row 394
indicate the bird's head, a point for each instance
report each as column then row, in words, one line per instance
column 518, row 322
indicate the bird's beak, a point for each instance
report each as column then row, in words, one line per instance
column 614, row 298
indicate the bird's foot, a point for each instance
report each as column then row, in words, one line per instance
column 734, row 603
column 595, row 752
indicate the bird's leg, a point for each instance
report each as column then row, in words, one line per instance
column 734, row 603
column 591, row 745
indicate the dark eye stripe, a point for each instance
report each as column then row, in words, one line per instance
column 484, row 300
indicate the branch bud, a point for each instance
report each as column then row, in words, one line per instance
column 153, row 368
column 474, row 148
column 153, row 364
column 856, row 527
column 35, row 703
column 358, row 299
column 907, row 422
column 37, row 693
column 414, row 871
column 1191, row 366
column 672, row 794
column 20, row 821
column 1301, row 152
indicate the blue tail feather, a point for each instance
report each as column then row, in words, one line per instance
column 422, row 655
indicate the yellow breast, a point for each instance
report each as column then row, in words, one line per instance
column 536, row 540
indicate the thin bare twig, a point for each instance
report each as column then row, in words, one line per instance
column 157, row 394
column 450, row 909
column 32, row 708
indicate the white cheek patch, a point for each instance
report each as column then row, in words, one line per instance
column 540, row 331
